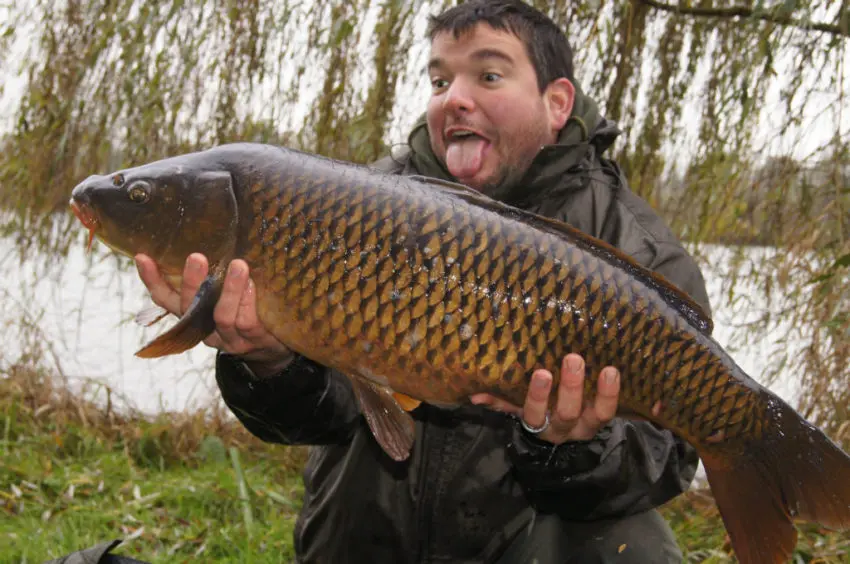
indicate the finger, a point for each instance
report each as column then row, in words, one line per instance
column 194, row 272
column 161, row 291
column 570, row 389
column 537, row 398
column 227, row 308
column 257, row 343
column 213, row 340
column 494, row 403
column 247, row 322
column 607, row 396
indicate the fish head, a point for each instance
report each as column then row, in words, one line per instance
column 166, row 210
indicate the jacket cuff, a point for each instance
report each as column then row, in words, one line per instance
column 304, row 404
column 240, row 385
column 568, row 459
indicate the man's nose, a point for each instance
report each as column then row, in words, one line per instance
column 459, row 97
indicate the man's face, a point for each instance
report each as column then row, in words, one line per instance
column 486, row 115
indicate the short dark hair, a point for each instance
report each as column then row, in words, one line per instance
column 545, row 43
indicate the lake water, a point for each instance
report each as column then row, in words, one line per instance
column 82, row 311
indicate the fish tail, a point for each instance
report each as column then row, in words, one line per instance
column 793, row 472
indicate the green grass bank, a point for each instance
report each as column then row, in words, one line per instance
column 196, row 487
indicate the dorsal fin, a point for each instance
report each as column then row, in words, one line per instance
column 450, row 186
column 674, row 295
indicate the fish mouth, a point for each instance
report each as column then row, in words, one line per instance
column 87, row 217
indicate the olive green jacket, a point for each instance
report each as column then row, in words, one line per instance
column 475, row 478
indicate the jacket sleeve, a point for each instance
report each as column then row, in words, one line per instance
column 629, row 466
column 305, row 404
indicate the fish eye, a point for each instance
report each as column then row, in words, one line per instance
column 139, row 193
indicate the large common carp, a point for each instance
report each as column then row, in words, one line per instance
column 422, row 290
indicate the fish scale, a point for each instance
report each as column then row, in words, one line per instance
column 422, row 290
column 591, row 302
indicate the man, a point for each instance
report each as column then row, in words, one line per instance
column 505, row 117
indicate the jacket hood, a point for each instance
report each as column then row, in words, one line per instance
column 584, row 128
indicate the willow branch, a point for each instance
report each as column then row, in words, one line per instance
column 745, row 12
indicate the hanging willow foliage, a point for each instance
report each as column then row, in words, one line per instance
column 733, row 113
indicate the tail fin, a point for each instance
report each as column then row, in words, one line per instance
column 793, row 472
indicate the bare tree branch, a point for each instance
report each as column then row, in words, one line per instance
column 746, row 12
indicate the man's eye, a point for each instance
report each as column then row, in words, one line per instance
column 438, row 83
column 490, row 77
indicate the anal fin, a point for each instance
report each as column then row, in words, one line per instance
column 406, row 402
column 391, row 426
column 195, row 325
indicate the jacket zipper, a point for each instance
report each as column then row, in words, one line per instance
column 423, row 497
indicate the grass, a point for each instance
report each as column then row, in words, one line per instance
column 178, row 487
column 184, row 487
column 702, row 537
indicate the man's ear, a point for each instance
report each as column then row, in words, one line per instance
column 559, row 97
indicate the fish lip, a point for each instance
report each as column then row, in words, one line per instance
column 85, row 214
column 449, row 132
column 87, row 217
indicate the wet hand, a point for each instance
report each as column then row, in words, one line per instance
column 238, row 328
column 572, row 419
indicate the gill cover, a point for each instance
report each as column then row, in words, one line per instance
column 208, row 217
column 211, row 209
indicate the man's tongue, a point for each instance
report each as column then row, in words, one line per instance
column 464, row 158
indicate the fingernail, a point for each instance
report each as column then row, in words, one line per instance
column 542, row 382
column 194, row 264
column 235, row 272
column 611, row 375
column 574, row 364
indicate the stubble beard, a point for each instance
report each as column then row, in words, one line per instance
column 514, row 169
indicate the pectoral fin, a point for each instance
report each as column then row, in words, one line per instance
column 195, row 325
column 150, row 315
column 392, row 427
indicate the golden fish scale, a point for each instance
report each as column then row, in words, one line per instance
column 407, row 286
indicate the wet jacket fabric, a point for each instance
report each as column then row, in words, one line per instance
column 475, row 478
